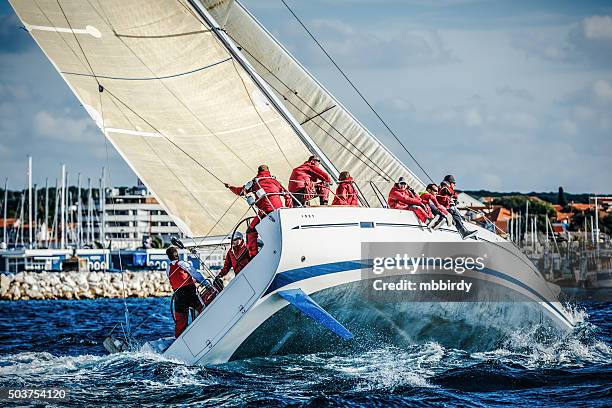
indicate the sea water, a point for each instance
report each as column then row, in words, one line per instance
column 49, row 344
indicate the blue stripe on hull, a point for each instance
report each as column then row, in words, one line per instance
column 295, row 275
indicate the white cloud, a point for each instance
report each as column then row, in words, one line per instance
column 4, row 151
column 583, row 113
column 387, row 46
column 602, row 89
column 472, row 117
column 598, row 28
column 521, row 120
column 519, row 93
column 63, row 128
column 569, row 127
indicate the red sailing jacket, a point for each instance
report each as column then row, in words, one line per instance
column 402, row 198
column 236, row 258
column 305, row 175
column 178, row 276
column 446, row 195
column 346, row 193
column 429, row 198
column 268, row 192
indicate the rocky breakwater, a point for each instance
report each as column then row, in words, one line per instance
column 82, row 285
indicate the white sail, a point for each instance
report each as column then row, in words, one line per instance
column 177, row 106
column 345, row 141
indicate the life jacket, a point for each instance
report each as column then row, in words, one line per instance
column 236, row 258
column 178, row 276
column 346, row 193
column 267, row 190
column 446, row 194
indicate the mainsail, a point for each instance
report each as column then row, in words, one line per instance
column 345, row 141
column 188, row 113
column 170, row 97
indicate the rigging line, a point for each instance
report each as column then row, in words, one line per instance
column 77, row 41
column 241, row 218
column 203, row 261
column 318, row 114
column 259, row 115
column 163, row 161
column 175, row 96
column 311, row 108
column 60, row 35
column 357, row 90
column 162, row 35
column 165, row 137
column 314, row 110
column 149, row 78
column 380, row 172
column 191, row 111
column 102, row 238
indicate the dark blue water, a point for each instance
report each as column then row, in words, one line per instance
column 58, row 344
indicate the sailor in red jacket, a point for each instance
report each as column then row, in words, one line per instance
column 404, row 198
column 269, row 196
column 309, row 180
column 447, row 196
column 237, row 257
column 346, row 193
column 438, row 210
column 182, row 275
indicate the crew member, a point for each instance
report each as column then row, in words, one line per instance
column 182, row 275
column 447, row 196
column 404, row 198
column 268, row 192
column 346, row 193
column 237, row 257
column 309, row 180
column 438, row 210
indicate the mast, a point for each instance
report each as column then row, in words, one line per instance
column 46, row 223
column 264, row 88
column 56, row 215
column 102, row 196
column 63, row 208
column 79, row 229
column 89, row 211
column 36, row 235
column 4, row 212
column 30, row 224
column 596, row 224
column 21, row 217
column 526, row 217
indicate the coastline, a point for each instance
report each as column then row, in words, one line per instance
column 83, row 285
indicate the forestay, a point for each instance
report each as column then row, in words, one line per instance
column 181, row 111
column 345, row 141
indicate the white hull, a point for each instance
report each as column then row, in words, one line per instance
column 319, row 250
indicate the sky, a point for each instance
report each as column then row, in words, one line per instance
column 506, row 95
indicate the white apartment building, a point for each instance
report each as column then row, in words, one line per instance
column 132, row 216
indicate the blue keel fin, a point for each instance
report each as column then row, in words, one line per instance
column 310, row 308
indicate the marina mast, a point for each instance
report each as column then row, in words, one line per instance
column 63, row 208
column 30, row 224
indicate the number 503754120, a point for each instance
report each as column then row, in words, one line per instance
column 32, row 393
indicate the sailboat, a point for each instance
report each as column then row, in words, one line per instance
column 197, row 93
